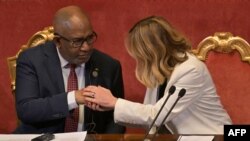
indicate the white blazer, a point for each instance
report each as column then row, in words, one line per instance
column 199, row 111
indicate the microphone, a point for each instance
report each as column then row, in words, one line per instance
column 182, row 92
column 170, row 92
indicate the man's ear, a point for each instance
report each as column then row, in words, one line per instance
column 56, row 41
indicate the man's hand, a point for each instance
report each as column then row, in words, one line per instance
column 80, row 98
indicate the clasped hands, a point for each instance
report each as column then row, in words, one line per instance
column 97, row 98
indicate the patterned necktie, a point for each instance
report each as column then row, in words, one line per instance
column 71, row 121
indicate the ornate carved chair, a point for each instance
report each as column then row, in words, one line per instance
column 38, row 38
column 228, row 59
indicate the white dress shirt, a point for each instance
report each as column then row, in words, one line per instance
column 71, row 95
column 199, row 111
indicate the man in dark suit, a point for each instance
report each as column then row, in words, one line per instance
column 42, row 100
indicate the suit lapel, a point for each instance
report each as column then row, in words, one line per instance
column 87, row 73
column 90, row 79
column 91, row 71
column 52, row 63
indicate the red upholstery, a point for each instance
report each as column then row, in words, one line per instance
column 230, row 74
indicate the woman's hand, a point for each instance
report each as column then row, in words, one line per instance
column 99, row 98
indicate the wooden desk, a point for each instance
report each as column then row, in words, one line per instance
column 136, row 137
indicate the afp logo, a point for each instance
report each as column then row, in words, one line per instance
column 236, row 132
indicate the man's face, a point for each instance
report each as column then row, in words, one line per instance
column 75, row 43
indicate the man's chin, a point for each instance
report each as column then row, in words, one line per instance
column 82, row 60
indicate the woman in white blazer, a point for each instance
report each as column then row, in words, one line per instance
column 161, row 53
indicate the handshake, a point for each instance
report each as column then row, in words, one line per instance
column 96, row 97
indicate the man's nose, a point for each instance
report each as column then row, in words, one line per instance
column 85, row 46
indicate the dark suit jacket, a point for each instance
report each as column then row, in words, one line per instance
column 41, row 100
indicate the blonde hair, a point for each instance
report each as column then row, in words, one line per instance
column 157, row 47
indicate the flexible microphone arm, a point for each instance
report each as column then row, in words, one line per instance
column 180, row 95
column 170, row 92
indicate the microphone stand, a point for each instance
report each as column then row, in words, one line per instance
column 181, row 94
column 171, row 91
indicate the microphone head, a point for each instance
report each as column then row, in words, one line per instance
column 182, row 92
column 171, row 90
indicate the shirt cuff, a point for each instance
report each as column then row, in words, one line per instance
column 71, row 100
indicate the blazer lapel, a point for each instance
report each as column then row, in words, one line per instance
column 91, row 71
column 87, row 73
column 91, row 78
column 52, row 63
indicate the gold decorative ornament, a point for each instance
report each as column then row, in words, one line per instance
column 223, row 42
